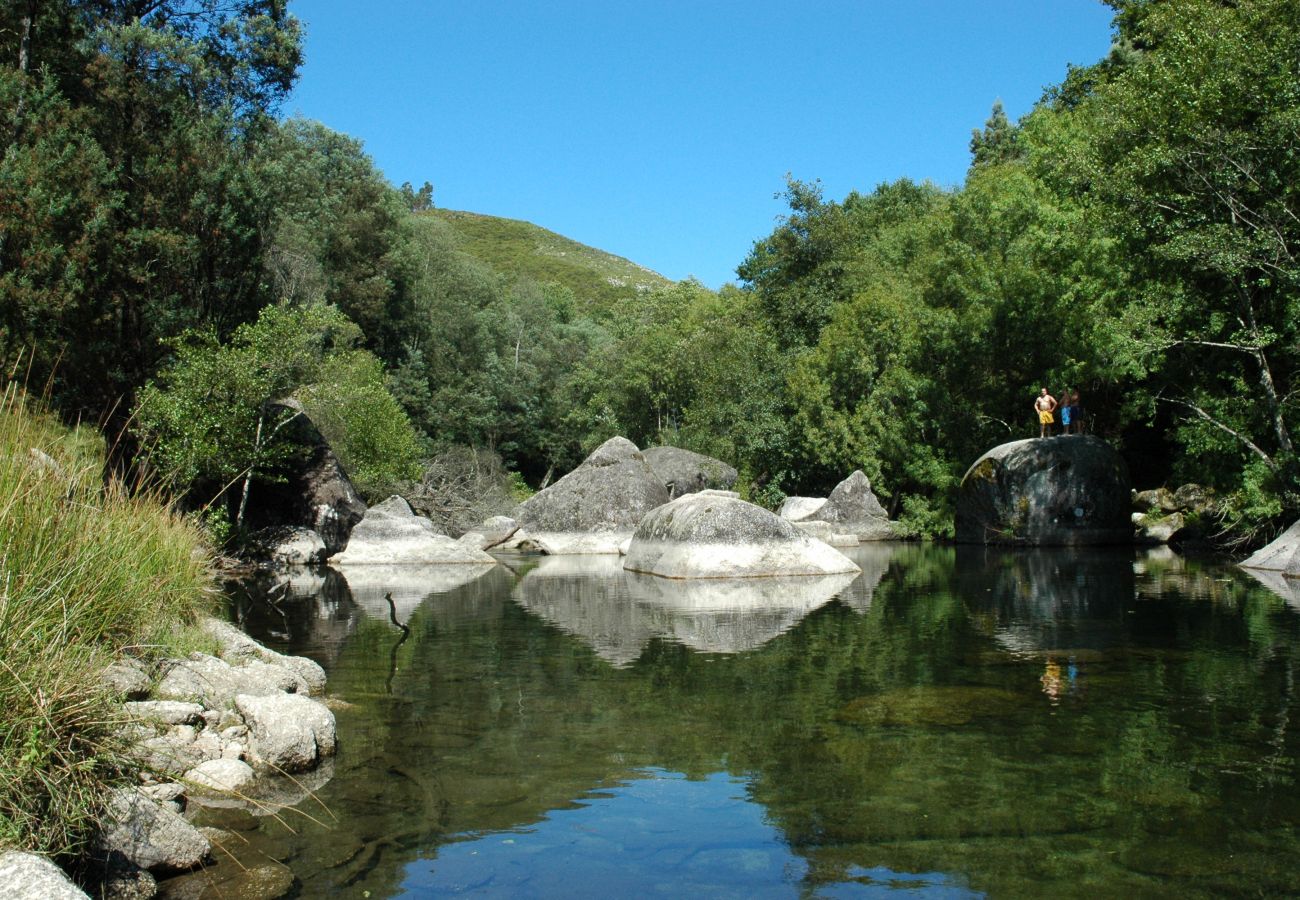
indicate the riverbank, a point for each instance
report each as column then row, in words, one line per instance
column 88, row 576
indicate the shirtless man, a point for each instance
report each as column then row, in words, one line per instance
column 1044, row 404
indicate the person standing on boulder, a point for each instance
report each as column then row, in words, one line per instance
column 1044, row 404
column 1067, row 411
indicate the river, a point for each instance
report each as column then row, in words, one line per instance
column 955, row 722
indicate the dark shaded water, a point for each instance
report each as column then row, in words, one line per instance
column 952, row 723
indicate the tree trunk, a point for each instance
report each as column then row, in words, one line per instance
column 248, row 475
column 25, row 39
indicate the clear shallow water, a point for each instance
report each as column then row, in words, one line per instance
column 953, row 723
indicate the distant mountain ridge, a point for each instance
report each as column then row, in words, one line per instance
column 514, row 247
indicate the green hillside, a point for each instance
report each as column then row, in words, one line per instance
column 512, row 247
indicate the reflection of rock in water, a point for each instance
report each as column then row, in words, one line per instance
column 618, row 613
column 300, row 611
column 1046, row 599
column 587, row 596
column 873, row 559
column 409, row 585
column 730, row 615
column 1286, row 588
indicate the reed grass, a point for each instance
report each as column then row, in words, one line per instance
column 87, row 573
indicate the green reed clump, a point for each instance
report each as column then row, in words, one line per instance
column 86, row 573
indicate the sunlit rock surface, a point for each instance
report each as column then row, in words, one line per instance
column 596, row 506
column 1068, row 490
column 390, row 534
column 852, row 508
column 685, row 472
column 710, row 535
column 1282, row 555
column 797, row 509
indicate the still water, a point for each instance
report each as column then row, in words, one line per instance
column 951, row 723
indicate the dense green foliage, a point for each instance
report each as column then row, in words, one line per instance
column 1133, row 236
column 86, row 573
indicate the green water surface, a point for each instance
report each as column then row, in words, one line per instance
column 952, row 723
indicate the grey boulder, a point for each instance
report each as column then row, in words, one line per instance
column 493, row 531
column 796, row 509
column 852, row 508
column 391, row 534
column 238, row 648
column 1282, row 555
column 26, row 876
column 287, row 732
column 149, row 835
column 712, row 535
column 288, row 545
column 685, row 472
column 1070, row 490
column 214, row 682
column 595, row 507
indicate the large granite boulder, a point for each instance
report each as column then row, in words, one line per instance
column 1282, row 555
column 711, row 535
column 1067, row 490
column 685, row 472
column 26, row 876
column 316, row 494
column 287, row 545
column 852, row 508
column 595, row 507
column 390, row 534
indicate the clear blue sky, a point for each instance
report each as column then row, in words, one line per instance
column 660, row 130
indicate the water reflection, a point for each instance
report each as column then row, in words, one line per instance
column 619, row 613
column 1065, row 723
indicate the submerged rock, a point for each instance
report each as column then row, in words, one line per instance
column 1068, row 490
column 390, row 534
column 709, row 535
column 685, row 472
column 595, row 507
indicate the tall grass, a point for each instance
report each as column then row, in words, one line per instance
column 86, row 573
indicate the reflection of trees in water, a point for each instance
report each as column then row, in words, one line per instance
column 900, row 737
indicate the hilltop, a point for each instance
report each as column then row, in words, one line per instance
column 517, row 248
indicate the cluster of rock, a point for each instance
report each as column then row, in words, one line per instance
column 216, row 731
column 850, row 515
column 595, row 509
column 1064, row 491
column 1160, row 515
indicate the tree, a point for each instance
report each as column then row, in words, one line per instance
column 1189, row 154
column 214, row 417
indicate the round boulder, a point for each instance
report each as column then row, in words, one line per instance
column 711, row 535
column 685, row 472
column 1062, row 491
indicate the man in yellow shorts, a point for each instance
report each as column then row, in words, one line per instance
column 1044, row 405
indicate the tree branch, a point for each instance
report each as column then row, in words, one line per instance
column 1206, row 417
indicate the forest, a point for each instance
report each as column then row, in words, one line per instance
column 175, row 255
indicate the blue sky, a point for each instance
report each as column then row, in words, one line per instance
column 661, row 130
